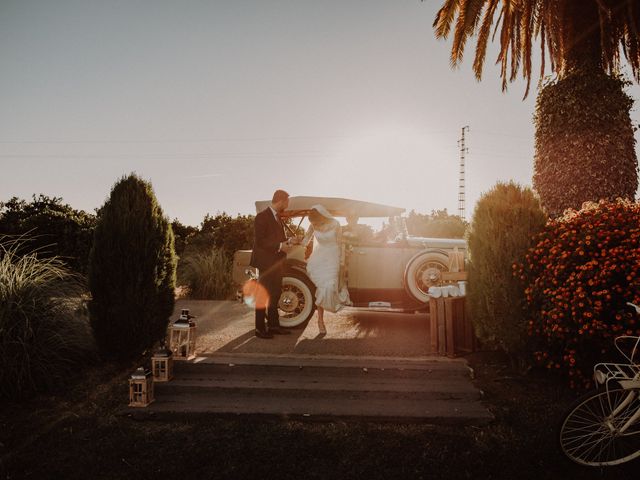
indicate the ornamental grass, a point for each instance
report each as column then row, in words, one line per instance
column 207, row 274
column 44, row 329
column 578, row 277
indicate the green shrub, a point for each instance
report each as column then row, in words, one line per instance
column 206, row 274
column 504, row 221
column 579, row 275
column 44, row 331
column 131, row 271
column 226, row 233
column 54, row 228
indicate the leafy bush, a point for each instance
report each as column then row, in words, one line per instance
column 504, row 222
column 44, row 332
column 131, row 271
column 54, row 228
column 226, row 233
column 579, row 276
column 206, row 274
column 182, row 235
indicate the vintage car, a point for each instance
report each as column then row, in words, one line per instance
column 393, row 273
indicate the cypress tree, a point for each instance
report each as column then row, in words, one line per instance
column 131, row 271
column 502, row 228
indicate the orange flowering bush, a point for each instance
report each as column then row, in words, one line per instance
column 578, row 277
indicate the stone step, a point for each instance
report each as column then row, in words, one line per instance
column 322, row 378
column 376, row 406
column 414, row 391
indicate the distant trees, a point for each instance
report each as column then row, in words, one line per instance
column 53, row 228
column 131, row 271
column 438, row 224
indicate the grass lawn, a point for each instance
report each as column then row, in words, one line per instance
column 83, row 434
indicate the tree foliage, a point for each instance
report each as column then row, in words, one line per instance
column 438, row 224
column 504, row 223
column 584, row 139
column 575, row 33
column 228, row 233
column 132, row 271
column 583, row 125
column 54, row 229
column 182, row 235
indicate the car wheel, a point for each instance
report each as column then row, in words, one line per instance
column 296, row 305
column 424, row 270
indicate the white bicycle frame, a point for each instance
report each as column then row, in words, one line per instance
column 627, row 375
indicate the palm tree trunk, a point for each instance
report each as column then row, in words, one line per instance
column 580, row 41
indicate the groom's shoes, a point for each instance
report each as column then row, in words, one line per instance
column 279, row 331
column 261, row 334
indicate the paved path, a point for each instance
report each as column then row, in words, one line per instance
column 373, row 366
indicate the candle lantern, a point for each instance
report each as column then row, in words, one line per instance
column 162, row 364
column 182, row 337
column 140, row 388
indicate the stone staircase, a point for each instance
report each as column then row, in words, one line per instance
column 426, row 390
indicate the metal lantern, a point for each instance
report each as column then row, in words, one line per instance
column 141, row 388
column 162, row 365
column 182, row 337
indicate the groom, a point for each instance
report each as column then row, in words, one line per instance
column 270, row 249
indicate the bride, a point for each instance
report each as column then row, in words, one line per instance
column 323, row 266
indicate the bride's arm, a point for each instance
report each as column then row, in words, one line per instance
column 307, row 236
column 338, row 232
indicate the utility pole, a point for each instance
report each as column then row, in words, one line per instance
column 463, row 150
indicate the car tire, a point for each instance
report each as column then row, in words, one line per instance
column 424, row 270
column 297, row 301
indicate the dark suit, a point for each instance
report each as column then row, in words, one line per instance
column 269, row 261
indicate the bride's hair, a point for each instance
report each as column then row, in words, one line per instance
column 316, row 217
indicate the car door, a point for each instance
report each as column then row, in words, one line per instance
column 375, row 273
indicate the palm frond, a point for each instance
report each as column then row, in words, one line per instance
column 521, row 22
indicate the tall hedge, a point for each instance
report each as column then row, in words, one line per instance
column 131, row 271
column 503, row 224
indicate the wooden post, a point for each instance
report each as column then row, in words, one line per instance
column 433, row 324
column 450, row 330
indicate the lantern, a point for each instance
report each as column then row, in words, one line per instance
column 140, row 388
column 182, row 337
column 162, row 365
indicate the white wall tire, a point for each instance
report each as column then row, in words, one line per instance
column 424, row 270
column 296, row 305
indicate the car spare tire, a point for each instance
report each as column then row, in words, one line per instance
column 424, row 270
column 296, row 305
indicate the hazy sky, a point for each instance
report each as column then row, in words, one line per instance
column 218, row 103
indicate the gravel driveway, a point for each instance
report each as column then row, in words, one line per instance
column 228, row 326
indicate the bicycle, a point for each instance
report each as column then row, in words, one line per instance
column 602, row 427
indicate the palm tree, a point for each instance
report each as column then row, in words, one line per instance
column 585, row 149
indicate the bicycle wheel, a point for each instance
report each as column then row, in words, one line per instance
column 590, row 433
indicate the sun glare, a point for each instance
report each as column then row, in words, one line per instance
column 403, row 167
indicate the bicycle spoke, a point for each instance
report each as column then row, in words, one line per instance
column 590, row 433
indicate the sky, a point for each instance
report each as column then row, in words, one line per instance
column 220, row 102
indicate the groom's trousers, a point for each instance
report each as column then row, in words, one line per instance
column 271, row 280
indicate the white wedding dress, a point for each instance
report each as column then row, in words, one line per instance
column 323, row 267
